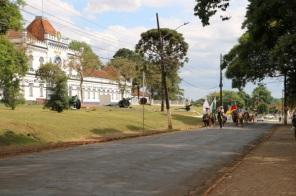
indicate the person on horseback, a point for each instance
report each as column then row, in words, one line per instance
column 220, row 116
column 235, row 117
column 206, row 118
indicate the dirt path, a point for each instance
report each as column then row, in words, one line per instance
column 270, row 169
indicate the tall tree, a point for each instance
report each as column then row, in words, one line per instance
column 268, row 47
column 83, row 62
column 10, row 16
column 57, row 80
column 172, row 51
column 124, row 72
column 205, row 9
column 138, row 63
column 13, row 66
column 261, row 98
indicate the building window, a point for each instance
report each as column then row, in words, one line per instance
column 31, row 63
column 41, row 89
column 41, row 61
column 88, row 93
column 70, row 71
column 31, row 85
column 94, row 93
column 70, row 90
column 58, row 60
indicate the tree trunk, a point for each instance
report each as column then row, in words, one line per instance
column 81, row 89
column 285, row 101
column 138, row 91
column 162, row 99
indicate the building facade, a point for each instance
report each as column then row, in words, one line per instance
column 44, row 44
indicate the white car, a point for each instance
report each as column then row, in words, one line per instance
column 269, row 117
column 260, row 118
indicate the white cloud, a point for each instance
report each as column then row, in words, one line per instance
column 107, row 5
column 57, row 8
column 98, row 6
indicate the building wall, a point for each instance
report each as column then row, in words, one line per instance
column 56, row 50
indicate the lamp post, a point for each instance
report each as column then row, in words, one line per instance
column 164, row 89
column 221, row 82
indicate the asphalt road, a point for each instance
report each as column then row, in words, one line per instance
column 168, row 164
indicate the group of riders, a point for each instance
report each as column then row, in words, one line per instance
column 239, row 117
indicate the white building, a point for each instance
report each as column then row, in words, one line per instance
column 44, row 44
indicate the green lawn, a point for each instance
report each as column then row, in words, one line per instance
column 33, row 124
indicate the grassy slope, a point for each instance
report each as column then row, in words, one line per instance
column 32, row 123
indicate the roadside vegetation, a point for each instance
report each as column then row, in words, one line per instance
column 31, row 124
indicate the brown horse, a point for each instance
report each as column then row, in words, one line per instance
column 206, row 119
column 237, row 118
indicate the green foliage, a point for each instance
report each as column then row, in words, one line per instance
column 138, row 64
column 262, row 108
column 13, row 65
column 230, row 97
column 198, row 102
column 173, row 54
column 57, row 81
column 11, row 94
column 125, row 72
column 84, row 62
column 87, row 59
column 205, row 9
column 261, row 98
column 174, row 48
column 267, row 49
column 10, row 16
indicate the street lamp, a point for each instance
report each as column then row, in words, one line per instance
column 163, row 73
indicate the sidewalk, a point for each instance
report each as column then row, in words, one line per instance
column 270, row 169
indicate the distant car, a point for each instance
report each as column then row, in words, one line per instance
column 269, row 117
column 260, row 118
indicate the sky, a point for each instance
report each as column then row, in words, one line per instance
column 108, row 25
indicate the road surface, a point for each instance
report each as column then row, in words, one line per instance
column 167, row 164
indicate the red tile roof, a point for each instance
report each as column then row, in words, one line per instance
column 107, row 73
column 40, row 26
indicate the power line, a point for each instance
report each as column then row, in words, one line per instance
column 192, row 85
column 79, row 31
column 74, row 25
column 87, row 20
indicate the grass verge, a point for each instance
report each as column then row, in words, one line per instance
column 33, row 125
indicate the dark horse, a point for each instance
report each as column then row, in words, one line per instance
column 206, row 119
column 237, row 118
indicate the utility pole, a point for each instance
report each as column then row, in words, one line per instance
column 163, row 77
column 221, row 84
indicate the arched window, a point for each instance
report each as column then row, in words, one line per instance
column 41, row 61
column 57, row 60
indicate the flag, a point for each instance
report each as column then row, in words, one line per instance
column 205, row 105
column 213, row 106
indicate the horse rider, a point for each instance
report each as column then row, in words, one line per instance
column 220, row 116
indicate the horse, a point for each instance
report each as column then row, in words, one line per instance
column 246, row 117
column 212, row 119
column 206, row 119
column 252, row 118
column 235, row 117
column 241, row 118
column 224, row 120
